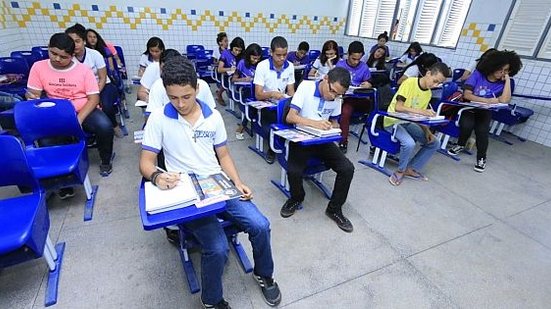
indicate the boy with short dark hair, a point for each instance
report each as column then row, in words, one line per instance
column 300, row 56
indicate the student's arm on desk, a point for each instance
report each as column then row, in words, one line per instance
column 366, row 84
column 291, row 89
column 226, row 162
column 468, row 95
column 262, row 95
column 164, row 181
column 222, row 69
column 294, row 118
column 401, row 108
column 143, row 93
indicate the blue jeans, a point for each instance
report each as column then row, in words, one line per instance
column 408, row 134
column 214, row 245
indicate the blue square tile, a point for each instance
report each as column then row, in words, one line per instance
column 294, row 17
column 130, row 9
column 14, row 5
column 491, row 27
column 57, row 6
column 272, row 16
column 315, row 18
column 220, row 13
column 95, row 7
column 335, row 19
column 193, row 12
column 247, row 14
column 163, row 11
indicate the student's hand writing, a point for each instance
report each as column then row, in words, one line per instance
column 322, row 124
column 427, row 112
column 167, row 181
column 365, row 84
column 277, row 95
column 247, row 193
column 492, row 100
column 430, row 137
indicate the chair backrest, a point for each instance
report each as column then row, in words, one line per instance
column 120, row 53
column 15, row 168
column 457, row 73
column 340, row 51
column 41, row 52
column 265, row 52
column 313, row 55
column 193, row 49
column 28, row 55
column 448, row 88
column 10, row 65
column 283, row 107
column 44, row 118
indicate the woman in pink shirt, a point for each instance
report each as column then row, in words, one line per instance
column 61, row 77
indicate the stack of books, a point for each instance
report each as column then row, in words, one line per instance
column 319, row 132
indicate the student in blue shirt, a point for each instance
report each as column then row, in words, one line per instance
column 300, row 56
column 229, row 59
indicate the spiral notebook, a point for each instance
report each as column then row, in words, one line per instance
column 183, row 195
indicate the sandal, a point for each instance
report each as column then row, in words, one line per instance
column 417, row 176
column 396, row 179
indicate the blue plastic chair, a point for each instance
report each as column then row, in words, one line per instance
column 457, row 73
column 28, row 55
column 193, row 49
column 265, row 52
column 24, row 219
column 313, row 55
column 40, row 52
column 340, row 51
column 55, row 165
column 10, row 65
column 315, row 167
column 511, row 116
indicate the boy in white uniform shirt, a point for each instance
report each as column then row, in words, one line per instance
column 193, row 139
column 273, row 77
column 316, row 104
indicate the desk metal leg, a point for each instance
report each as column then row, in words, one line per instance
column 241, row 254
column 378, row 161
column 53, row 275
column 187, row 264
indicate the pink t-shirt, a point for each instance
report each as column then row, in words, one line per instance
column 111, row 48
column 74, row 83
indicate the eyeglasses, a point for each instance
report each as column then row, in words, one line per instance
column 331, row 90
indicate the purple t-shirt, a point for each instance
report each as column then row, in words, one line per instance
column 292, row 57
column 358, row 74
column 243, row 71
column 482, row 87
column 228, row 59
column 374, row 47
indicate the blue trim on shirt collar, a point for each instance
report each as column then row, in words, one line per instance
column 172, row 113
column 317, row 93
column 272, row 67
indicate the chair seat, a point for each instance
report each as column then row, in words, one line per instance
column 55, row 160
column 17, row 216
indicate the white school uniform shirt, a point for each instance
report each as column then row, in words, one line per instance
column 158, row 97
column 144, row 61
column 186, row 148
column 94, row 60
column 310, row 104
column 272, row 80
column 322, row 69
column 412, row 71
column 150, row 75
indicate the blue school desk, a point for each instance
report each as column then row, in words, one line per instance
column 258, row 148
column 181, row 216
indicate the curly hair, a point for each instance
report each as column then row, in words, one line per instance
column 495, row 61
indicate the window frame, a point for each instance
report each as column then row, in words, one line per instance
column 541, row 40
column 415, row 21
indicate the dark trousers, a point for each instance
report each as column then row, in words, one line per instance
column 332, row 157
column 99, row 124
column 479, row 120
column 349, row 106
column 107, row 98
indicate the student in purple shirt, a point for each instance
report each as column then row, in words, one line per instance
column 229, row 59
column 360, row 77
column 245, row 73
column 489, row 83
column 381, row 41
column 300, row 57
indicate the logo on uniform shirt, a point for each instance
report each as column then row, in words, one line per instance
column 203, row 134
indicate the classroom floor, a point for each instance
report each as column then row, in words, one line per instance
column 462, row 240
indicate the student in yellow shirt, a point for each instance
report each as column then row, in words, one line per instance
column 413, row 96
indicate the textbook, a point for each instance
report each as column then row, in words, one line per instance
column 261, row 104
column 294, row 135
column 485, row 105
column 183, row 195
column 414, row 117
column 214, row 188
column 318, row 132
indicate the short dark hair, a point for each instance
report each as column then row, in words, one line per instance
column 356, row 47
column 423, row 62
column 220, row 36
column 304, row 46
column 252, row 50
column 167, row 54
column 278, row 42
column 77, row 29
column 495, row 61
column 440, row 67
column 62, row 41
column 180, row 71
column 339, row 75
column 383, row 35
column 154, row 42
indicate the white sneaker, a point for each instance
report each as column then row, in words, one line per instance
column 239, row 136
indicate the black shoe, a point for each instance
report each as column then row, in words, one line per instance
column 65, row 193
column 270, row 290
column 480, row 165
column 289, row 208
column 343, row 147
column 173, row 236
column 342, row 222
column 223, row 304
column 105, row 169
column 456, row 150
column 270, row 157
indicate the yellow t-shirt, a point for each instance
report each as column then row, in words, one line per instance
column 415, row 98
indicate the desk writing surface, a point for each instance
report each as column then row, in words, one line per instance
column 420, row 119
column 261, row 104
column 296, row 136
column 172, row 217
column 300, row 67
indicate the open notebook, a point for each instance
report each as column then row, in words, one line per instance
column 183, row 195
column 318, row 132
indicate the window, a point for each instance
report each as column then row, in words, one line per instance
column 436, row 22
column 527, row 29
